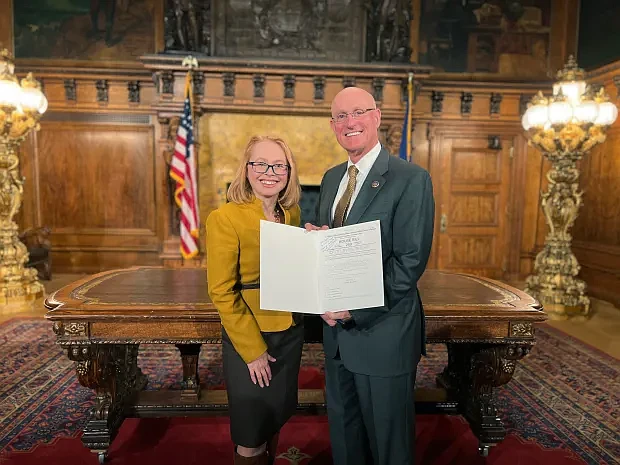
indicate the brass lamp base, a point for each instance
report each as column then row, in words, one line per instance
column 19, row 286
column 18, row 296
column 561, row 312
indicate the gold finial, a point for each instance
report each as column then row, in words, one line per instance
column 189, row 62
column 571, row 72
column 7, row 63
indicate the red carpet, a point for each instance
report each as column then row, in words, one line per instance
column 561, row 408
column 441, row 440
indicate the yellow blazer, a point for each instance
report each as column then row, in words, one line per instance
column 233, row 257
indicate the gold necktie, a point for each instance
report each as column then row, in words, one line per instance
column 344, row 202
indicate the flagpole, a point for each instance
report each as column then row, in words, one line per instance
column 409, row 103
column 190, row 63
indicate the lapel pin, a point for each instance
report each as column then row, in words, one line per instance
column 375, row 184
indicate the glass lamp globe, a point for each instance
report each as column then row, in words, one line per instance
column 536, row 115
column 10, row 92
column 573, row 90
column 33, row 100
column 607, row 114
column 586, row 111
column 560, row 112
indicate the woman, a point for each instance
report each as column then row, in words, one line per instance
column 261, row 349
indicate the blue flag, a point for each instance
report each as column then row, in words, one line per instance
column 405, row 141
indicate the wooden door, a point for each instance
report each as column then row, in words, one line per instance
column 473, row 175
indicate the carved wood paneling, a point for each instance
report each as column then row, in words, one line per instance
column 6, row 25
column 468, row 209
column 96, row 192
column 475, row 190
column 597, row 228
column 475, row 167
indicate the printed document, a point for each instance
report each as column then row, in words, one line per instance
column 320, row 271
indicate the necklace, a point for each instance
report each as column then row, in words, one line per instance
column 276, row 215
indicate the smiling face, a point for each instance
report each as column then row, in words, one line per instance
column 356, row 135
column 269, row 184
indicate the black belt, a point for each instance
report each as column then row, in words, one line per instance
column 246, row 286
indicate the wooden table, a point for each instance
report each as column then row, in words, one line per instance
column 102, row 319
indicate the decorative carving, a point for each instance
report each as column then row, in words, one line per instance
column 157, row 81
column 112, row 372
column 496, row 100
column 70, row 90
column 394, row 136
column 466, row 100
column 198, row 80
column 556, row 266
column 319, row 88
column 617, row 84
column 167, row 82
column 388, row 30
column 229, row 84
column 75, row 329
column 187, row 26
column 57, row 327
column 191, row 382
column 437, row 101
column 495, row 142
column 259, row 85
column 102, row 90
column 377, row 86
column 17, row 282
column 289, row 86
column 521, row 330
column 133, row 91
column 472, row 372
column 417, row 88
column 348, row 81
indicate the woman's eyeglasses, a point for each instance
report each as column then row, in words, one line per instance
column 260, row 167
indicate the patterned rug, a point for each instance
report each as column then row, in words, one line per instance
column 565, row 396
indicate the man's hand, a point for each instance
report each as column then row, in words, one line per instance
column 311, row 227
column 331, row 318
column 260, row 371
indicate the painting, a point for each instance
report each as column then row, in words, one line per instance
column 599, row 34
column 330, row 30
column 505, row 37
column 112, row 30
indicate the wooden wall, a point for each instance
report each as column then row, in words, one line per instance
column 597, row 229
column 96, row 173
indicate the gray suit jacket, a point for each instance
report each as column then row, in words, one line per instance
column 388, row 340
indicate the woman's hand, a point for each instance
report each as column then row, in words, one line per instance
column 260, row 371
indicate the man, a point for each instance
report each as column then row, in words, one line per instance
column 371, row 355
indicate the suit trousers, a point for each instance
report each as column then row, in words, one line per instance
column 371, row 418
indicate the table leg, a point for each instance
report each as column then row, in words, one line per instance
column 473, row 371
column 112, row 372
column 191, row 383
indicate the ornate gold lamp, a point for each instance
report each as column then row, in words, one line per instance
column 21, row 106
column 564, row 127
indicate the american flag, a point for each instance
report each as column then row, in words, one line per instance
column 183, row 171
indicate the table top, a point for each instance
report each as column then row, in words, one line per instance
column 180, row 294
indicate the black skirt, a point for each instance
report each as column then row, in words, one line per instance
column 256, row 413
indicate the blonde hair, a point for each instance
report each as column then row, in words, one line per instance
column 240, row 190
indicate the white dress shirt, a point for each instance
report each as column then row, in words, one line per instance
column 363, row 167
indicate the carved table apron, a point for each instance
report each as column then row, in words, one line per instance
column 102, row 319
